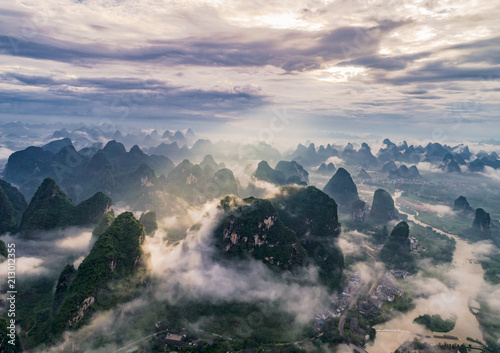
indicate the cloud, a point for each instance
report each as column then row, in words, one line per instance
column 5, row 153
column 77, row 242
column 482, row 249
column 429, row 167
column 263, row 189
column 441, row 210
column 350, row 242
column 337, row 161
column 26, row 266
column 388, row 63
column 223, row 64
column 189, row 271
column 78, row 261
column 491, row 173
column 123, row 98
column 47, row 253
column 121, row 83
column 368, row 272
column 442, row 71
column 338, row 43
column 107, row 328
column 486, row 50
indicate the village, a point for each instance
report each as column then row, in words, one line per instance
column 366, row 303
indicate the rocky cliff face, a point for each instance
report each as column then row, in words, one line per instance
column 63, row 283
column 312, row 215
column 293, row 171
column 308, row 211
column 382, row 209
column 342, row 189
column 482, row 220
column 254, row 229
column 462, row 205
column 115, row 256
column 396, row 250
column 297, row 227
column 358, row 211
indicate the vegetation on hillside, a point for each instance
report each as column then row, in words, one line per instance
column 116, row 255
column 51, row 208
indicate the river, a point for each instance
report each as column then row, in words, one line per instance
column 466, row 276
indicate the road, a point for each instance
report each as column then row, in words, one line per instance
column 352, row 302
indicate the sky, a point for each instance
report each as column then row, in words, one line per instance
column 324, row 68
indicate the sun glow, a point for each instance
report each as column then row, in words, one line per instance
column 278, row 21
column 340, row 73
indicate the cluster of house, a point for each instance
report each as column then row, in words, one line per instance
column 174, row 339
column 322, row 317
column 385, row 291
column 388, row 292
column 338, row 303
column 398, row 273
column 341, row 301
column 413, row 244
column 179, row 340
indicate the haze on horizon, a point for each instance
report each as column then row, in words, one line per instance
column 423, row 69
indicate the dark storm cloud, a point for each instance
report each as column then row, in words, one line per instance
column 421, row 91
column 477, row 44
column 104, row 83
column 484, row 51
column 442, row 71
column 227, row 59
column 388, row 63
column 338, row 44
column 479, row 51
column 120, row 97
column 65, row 96
column 53, row 50
column 428, row 97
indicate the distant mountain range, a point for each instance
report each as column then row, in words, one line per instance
column 49, row 208
column 267, row 215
